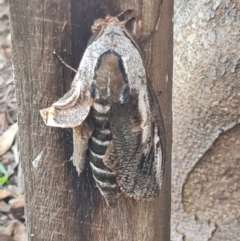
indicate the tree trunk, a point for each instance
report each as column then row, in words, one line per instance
column 59, row 206
column 206, row 117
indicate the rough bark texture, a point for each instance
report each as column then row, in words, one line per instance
column 206, row 117
column 59, row 205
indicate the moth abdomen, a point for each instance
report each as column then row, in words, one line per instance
column 106, row 183
column 105, row 179
column 103, row 174
column 101, row 135
column 98, row 144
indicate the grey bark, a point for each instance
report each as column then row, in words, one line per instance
column 206, row 117
column 59, row 206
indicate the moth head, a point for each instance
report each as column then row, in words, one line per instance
column 100, row 24
column 131, row 28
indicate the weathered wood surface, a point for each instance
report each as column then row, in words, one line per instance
column 59, row 205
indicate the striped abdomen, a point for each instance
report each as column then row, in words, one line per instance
column 98, row 144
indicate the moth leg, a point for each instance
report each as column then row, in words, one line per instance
column 110, row 158
column 64, row 63
column 81, row 136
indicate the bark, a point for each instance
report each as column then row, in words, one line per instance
column 206, row 117
column 59, row 206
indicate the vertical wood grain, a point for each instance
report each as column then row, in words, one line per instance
column 60, row 205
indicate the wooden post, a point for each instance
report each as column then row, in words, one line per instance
column 60, row 205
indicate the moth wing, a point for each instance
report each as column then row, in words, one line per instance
column 138, row 138
column 70, row 98
column 81, row 136
column 110, row 158
column 70, row 114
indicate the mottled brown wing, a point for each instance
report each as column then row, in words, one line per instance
column 81, row 136
column 68, row 111
column 139, row 146
column 71, row 111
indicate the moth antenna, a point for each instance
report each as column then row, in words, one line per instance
column 137, row 26
column 134, row 34
column 64, row 63
column 128, row 20
column 123, row 12
column 154, row 30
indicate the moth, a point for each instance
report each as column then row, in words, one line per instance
column 112, row 109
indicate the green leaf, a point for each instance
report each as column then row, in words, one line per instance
column 3, row 174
